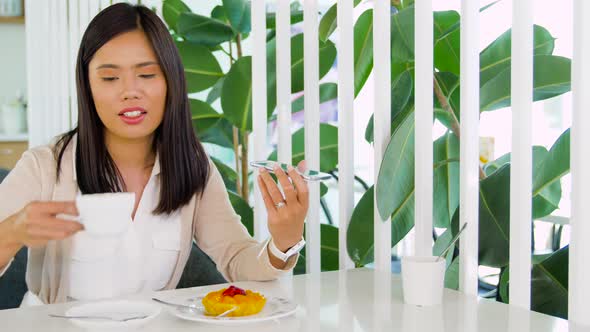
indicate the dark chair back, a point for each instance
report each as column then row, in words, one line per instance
column 12, row 284
column 200, row 270
column 3, row 174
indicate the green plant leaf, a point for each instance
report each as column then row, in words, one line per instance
column 238, row 12
column 360, row 236
column 549, row 283
column 503, row 285
column 327, row 56
column 171, row 9
column 215, row 92
column 218, row 13
column 395, row 183
column 494, row 60
column 407, row 3
column 236, row 94
column 203, row 30
column 203, row 115
column 446, row 180
column 488, row 6
column 449, row 85
column 200, row 66
column 328, row 92
column 447, row 48
column 296, row 17
column 555, row 165
column 402, row 35
column 328, row 250
column 552, row 77
column 329, row 21
column 323, row 189
column 220, row 134
column 401, row 91
column 441, row 243
column 496, row 57
column 363, row 50
column 227, row 173
column 494, row 218
column 452, row 275
column 328, row 147
column 545, row 200
column 243, row 210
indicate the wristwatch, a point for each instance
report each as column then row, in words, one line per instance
column 284, row 256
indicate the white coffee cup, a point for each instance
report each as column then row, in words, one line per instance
column 423, row 280
column 105, row 214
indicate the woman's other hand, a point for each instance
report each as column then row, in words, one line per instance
column 286, row 215
column 38, row 223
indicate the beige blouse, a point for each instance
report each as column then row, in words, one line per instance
column 208, row 219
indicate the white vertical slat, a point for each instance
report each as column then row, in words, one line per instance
column 312, row 130
column 424, row 118
column 521, row 166
column 382, row 122
column 345, row 126
column 579, row 269
column 83, row 16
column 62, row 63
column 93, row 8
column 259, row 106
column 35, row 71
column 283, row 25
column 74, row 37
column 53, row 70
column 469, row 154
column 104, row 4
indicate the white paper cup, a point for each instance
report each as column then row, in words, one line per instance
column 106, row 214
column 423, row 280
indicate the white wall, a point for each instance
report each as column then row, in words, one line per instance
column 13, row 73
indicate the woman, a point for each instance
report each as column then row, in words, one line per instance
column 135, row 135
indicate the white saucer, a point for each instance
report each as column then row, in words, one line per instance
column 118, row 309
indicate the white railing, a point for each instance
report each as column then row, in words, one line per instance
column 579, row 269
column 382, row 121
column 521, row 169
column 423, row 135
column 469, row 150
column 54, row 29
column 312, row 129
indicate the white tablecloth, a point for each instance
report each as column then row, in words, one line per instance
column 353, row 300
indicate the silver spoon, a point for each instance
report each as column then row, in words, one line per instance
column 125, row 319
column 452, row 242
column 184, row 306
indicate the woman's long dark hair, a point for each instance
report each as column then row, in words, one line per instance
column 183, row 161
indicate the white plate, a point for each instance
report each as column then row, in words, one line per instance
column 275, row 308
column 119, row 309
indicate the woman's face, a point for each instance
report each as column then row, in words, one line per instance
column 128, row 86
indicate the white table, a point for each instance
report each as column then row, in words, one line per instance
column 331, row 301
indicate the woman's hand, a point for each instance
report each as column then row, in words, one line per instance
column 286, row 215
column 37, row 223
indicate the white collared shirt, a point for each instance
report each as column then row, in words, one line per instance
column 142, row 259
